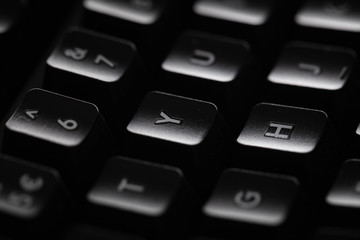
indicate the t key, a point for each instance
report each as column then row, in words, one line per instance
column 53, row 129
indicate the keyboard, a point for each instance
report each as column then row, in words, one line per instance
column 184, row 120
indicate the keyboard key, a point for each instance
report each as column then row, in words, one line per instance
column 26, row 189
column 318, row 71
column 143, row 22
column 31, row 195
column 314, row 66
column 142, row 12
column 141, row 192
column 56, row 130
column 343, row 197
column 103, row 64
column 201, row 61
column 325, row 21
column 283, row 128
column 258, row 22
column 10, row 14
column 243, row 197
column 191, row 129
column 244, row 12
column 335, row 15
column 286, row 139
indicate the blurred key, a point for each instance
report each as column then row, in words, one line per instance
column 333, row 22
column 313, row 66
column 319, row 71
column 26, row 189
column 10, row 14
column 143, row 21
column 248, row 199
column 335, row 15
column 138, row 195
column 93, row 67
column 256, row 21
column 343, row 196
column 30, row 195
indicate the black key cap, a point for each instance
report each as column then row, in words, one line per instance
column 140, row 192
column 92, row 67
column 26, row 189
column 209, row 67
column 142, row 22
column 313, row 66
column 10, row 14
column 324, row 73
column 343, row 197
column 259, row 22
column 30, row 194
column 335, row 22
column 142, row 12
column 335, row 15
column 192, row 130
column 245, row 12
column 247, row 198
column 286, row 139
column 56, row 130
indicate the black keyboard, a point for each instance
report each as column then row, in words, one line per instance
column 201, row 119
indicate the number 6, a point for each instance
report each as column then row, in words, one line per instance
column 68, row 124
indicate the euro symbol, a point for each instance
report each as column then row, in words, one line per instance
column 31, row 184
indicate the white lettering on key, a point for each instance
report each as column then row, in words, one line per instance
column 68, row 124
column 314, row 69
column 344, row 72
column 278, row 128
column 247, row 199
column 30, row 184
column 202, row 58
column 102, row 59
column 125, row 185
column 22, row 200
column 76, row 53
column 167, row 119
column 32, row 114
